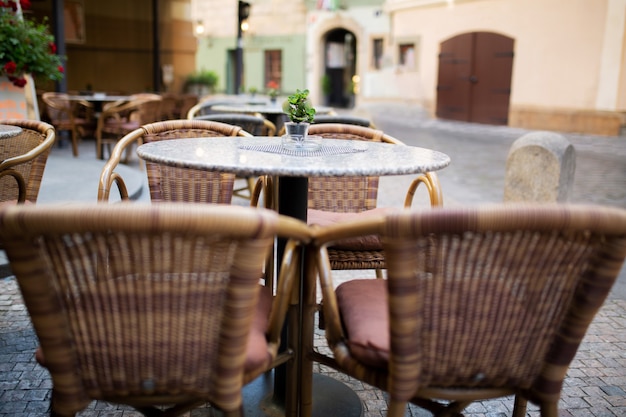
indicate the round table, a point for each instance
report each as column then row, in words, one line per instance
column 266, row 156
column 9, row 131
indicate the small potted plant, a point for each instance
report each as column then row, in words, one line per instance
column 300, row 112
column 201, row 83
column 272, row 90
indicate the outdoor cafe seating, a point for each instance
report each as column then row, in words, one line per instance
column 122, row 117
column 479, row 302
column 173, row 184
column 151, row 305
column 23, row 158
column 74, row 116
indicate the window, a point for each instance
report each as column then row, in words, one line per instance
column 377, row 53
column 407, row 55
column 273, row 67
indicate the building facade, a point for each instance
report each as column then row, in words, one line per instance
column 539, row 64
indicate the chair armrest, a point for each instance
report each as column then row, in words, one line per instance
column 264, row 186
column 285, row 294
column 108, row 175
column 6, row 166
column 431, row 182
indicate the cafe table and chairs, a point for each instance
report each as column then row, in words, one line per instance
column 68, row 115
column 291, row 169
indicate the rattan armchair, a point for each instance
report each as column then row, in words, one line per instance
column 23, row 160
column 256, row 125
column 479, row 303
column 120, row 118
column 333, row 199
column 253, row 124
column 150, row 304
column 173, row 183
column 75, row 116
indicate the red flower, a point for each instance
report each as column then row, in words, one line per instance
column 25, row 4
column 10, row 67
column 273, row 85
column 18, row 81
column 61, row 69
column 53, row 48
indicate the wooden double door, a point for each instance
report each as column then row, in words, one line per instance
column 474, row 82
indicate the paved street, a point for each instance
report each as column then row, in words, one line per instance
column 596, row 382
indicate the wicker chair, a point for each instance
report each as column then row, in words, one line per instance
column 337, row 199
column 172, row 183
column 203, row 108
column 479, row 303
column 150, row 305
column 253, row 124
column 120, row 118
column 339, row 118
column 344, row 119
column 23, row 160
column 256, row 125
column 75, row 116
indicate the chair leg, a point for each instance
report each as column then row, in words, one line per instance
column 519, row 407
column 396, row 408
column 74, row 142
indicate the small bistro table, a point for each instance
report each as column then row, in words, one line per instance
column 266, row 156
column 9, row 131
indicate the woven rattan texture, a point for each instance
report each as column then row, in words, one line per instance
column 174, row 183
column 24, row 156
column 146, row 304
column 481, row 299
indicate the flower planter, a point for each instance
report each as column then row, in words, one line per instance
column 18, row 102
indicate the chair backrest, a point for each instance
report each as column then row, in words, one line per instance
column 173, row 183
column 492, row 296
column 344, row 119
column 23, row 159
column 255, row 125
column 58, row 107
column 203, row 108
column 185, row 103
column 141, row 302
column 346, row 194
column 168, row 108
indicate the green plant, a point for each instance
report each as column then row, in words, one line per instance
column 204, row 77
column 326, row 87
column 298, row 107
column 26, row 47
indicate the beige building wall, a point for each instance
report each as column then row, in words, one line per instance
column 569, row 56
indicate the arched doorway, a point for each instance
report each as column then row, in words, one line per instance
column 339, row 68
column 474, row 83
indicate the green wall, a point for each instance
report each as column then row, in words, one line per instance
column 213, row 55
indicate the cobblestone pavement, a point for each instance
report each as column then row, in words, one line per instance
column 596, row 382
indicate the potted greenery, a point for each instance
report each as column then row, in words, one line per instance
column 201, row 83
column 301, row 113
column 326, row 88
column 26, row 47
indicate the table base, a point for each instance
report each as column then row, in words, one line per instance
column 330, row 398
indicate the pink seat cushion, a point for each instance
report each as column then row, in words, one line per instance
column 363, row 308
column 327, row 218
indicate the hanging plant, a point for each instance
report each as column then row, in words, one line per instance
column 26, row 47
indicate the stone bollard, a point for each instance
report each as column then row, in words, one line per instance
column 540, row 168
